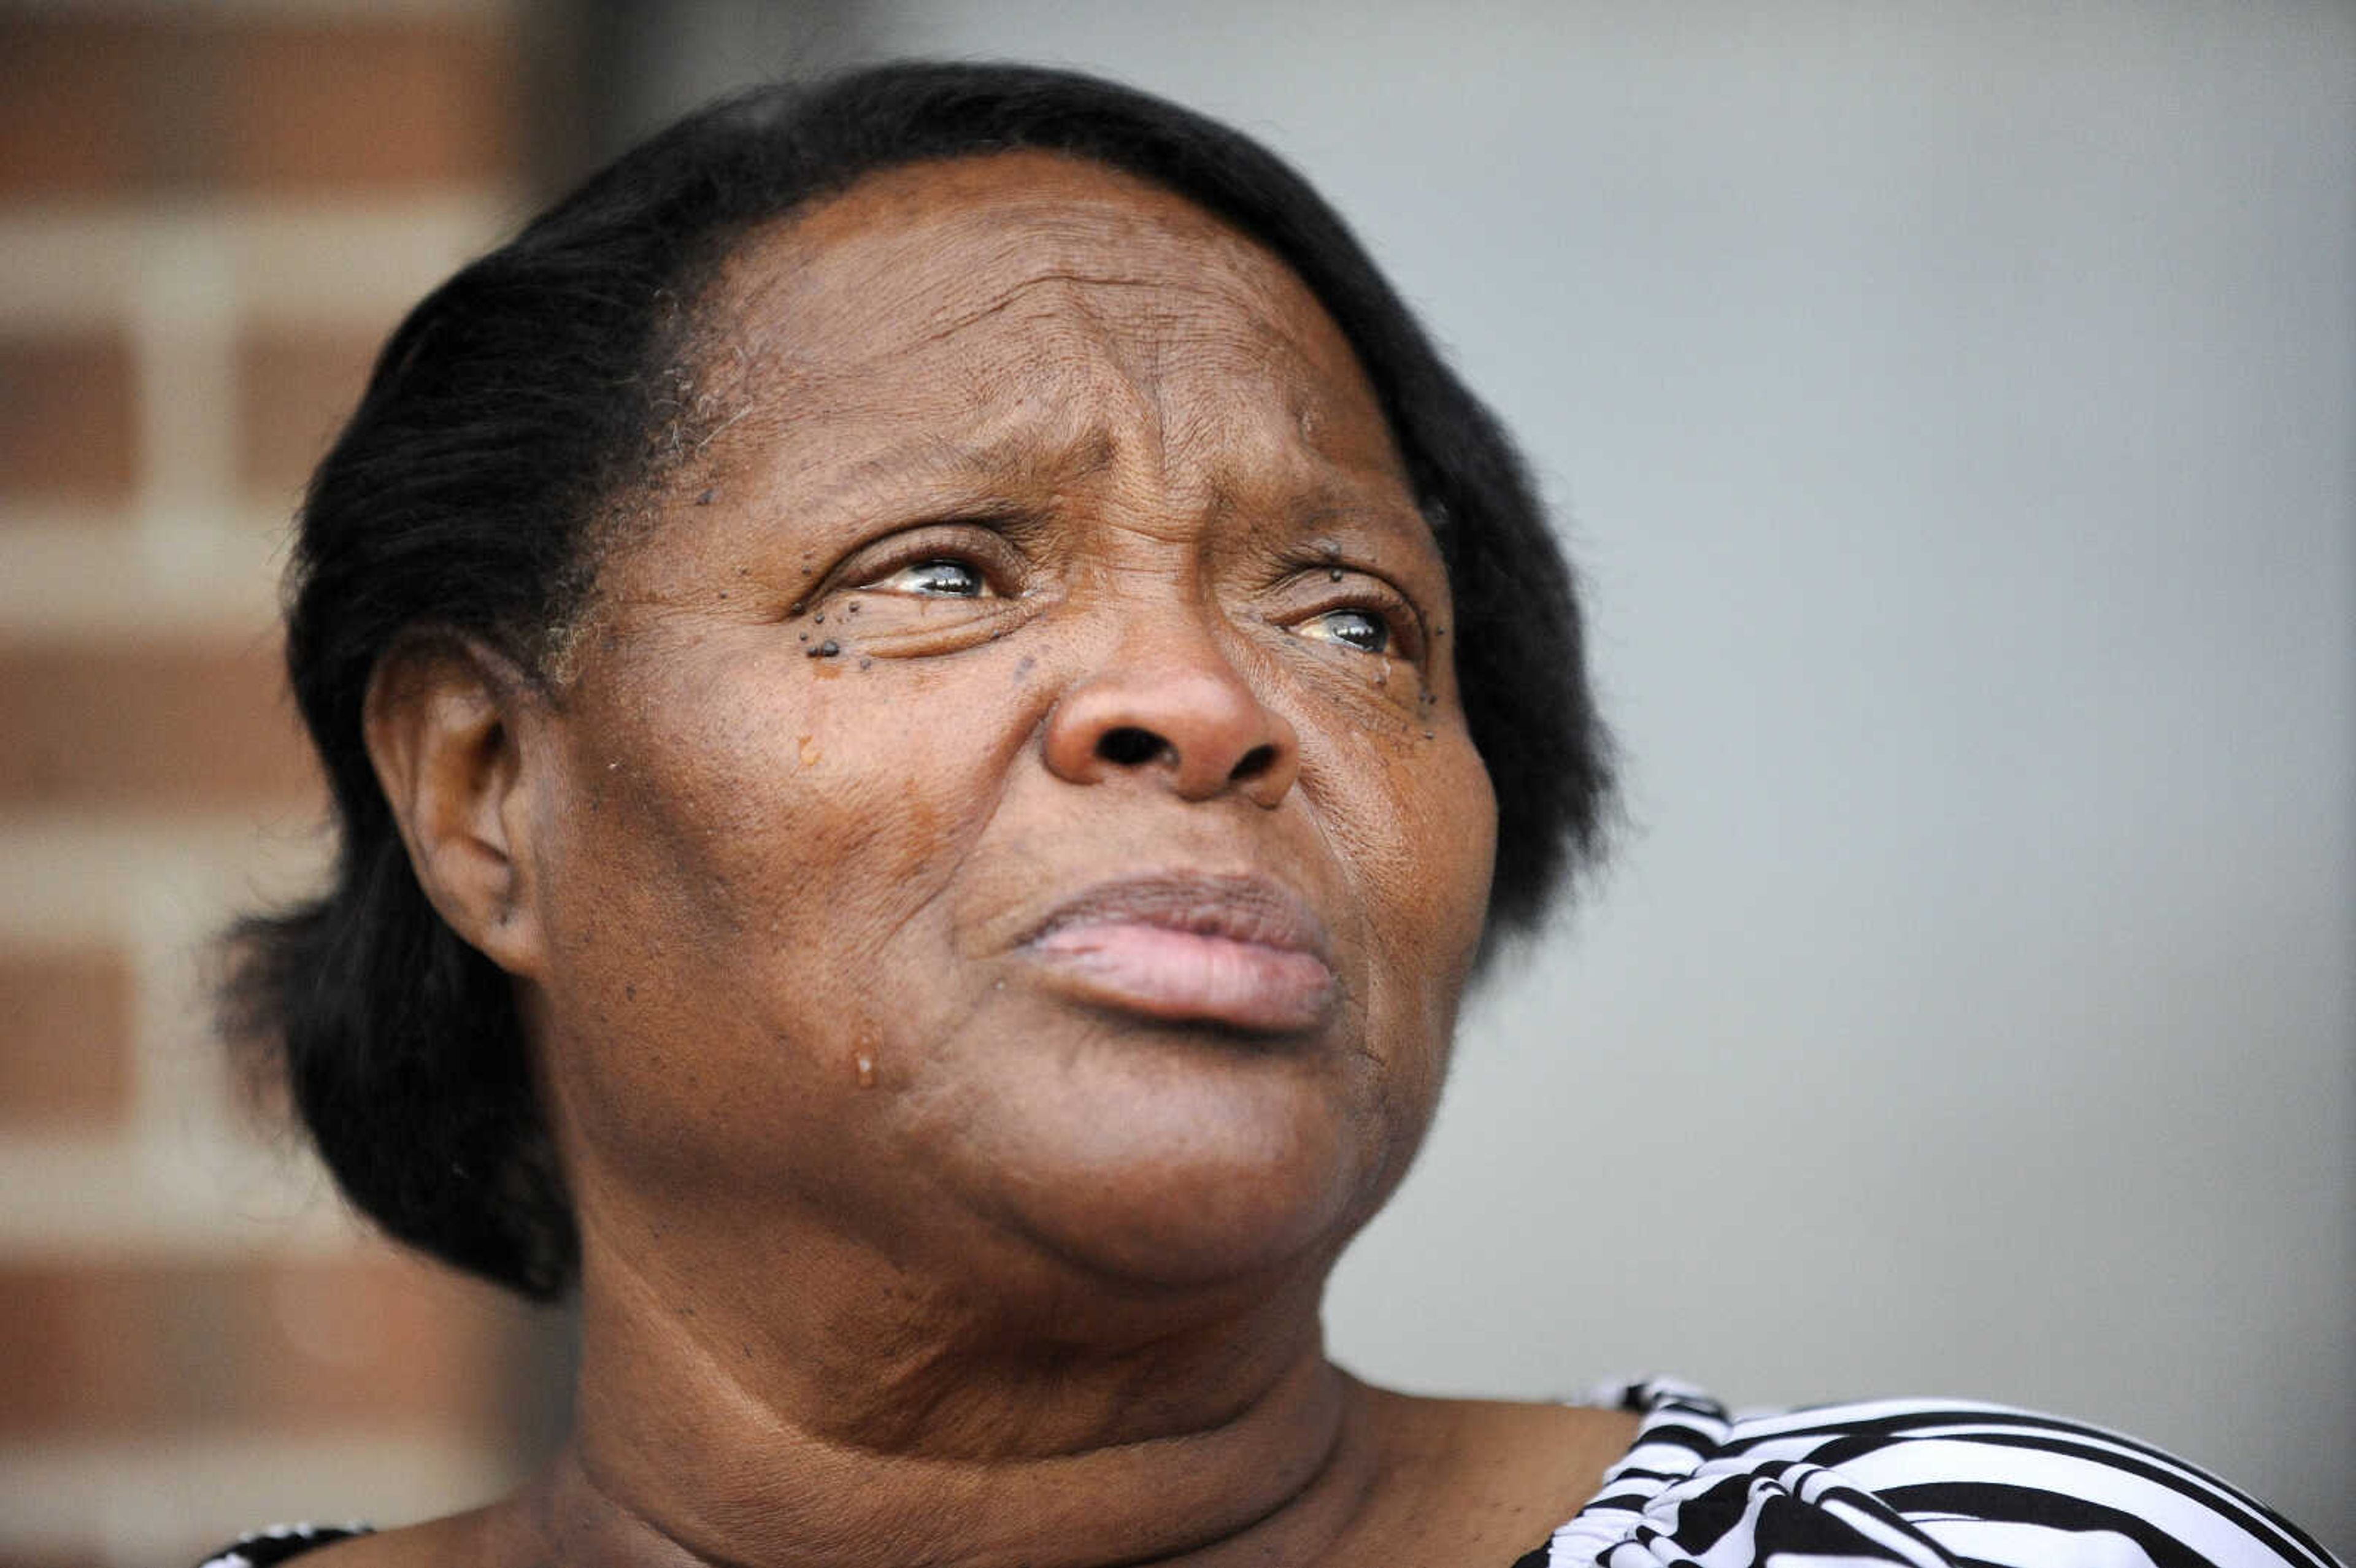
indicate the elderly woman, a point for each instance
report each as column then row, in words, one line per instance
column 932, row 693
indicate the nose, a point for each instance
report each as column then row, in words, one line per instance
column 1182, row 715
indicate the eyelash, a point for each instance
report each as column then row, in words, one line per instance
column 948, row 545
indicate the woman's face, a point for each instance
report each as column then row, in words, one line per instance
column 1010, row 801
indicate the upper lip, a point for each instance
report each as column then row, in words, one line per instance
column 1239, row 908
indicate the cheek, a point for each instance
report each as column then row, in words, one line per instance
column 748, row 852
column 1470, row 813
column 1450, row 836
column 1420, row 837
column 1415, row 828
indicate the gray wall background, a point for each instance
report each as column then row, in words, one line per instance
column 1952, row 407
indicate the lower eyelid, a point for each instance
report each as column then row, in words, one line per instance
column 905, row 636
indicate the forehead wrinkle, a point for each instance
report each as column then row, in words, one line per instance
column 958, row 470
column 1139, row 365
column 1199, row 462
column 1152, row 327
column 1015, row 294
column 1105, row 340
column 1061, row 245
column 1106, row 313
column 1057, row 344
column 909, row 277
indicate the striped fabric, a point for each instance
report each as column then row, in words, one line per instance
column 1907, row 1482
column 1915, row 1483
column 264, row 1547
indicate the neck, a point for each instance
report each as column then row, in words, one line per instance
column 894, row 1424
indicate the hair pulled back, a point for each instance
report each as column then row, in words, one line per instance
column 512, row 411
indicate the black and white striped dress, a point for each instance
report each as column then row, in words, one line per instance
column 1908, row 1482
column 1922, row 1483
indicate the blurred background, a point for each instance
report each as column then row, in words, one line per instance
column 1951, row 407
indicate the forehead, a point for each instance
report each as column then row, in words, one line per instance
column 1032, row 286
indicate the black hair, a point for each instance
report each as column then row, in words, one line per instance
column 514, row 410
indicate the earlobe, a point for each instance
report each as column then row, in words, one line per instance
column 443, row 723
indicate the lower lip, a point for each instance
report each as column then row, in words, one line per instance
column 1165, row 973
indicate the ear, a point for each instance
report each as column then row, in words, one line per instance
column 444, row 720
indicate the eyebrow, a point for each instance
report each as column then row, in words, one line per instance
column 1324, row 500
column 941, row 459
column 971, row 479
column 1086, row 454
column 1350, row 510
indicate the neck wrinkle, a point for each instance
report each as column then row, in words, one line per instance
column 721, row 1475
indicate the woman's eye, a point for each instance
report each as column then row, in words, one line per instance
column 954, row 579
column 1360, row 629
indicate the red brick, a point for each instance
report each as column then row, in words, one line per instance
column 67, row 424
column 73, row 118
column 167, row 723
column 368, row 102
column 64, row 1039
column 191, row 97
column 384, row 1342
column 295, row 392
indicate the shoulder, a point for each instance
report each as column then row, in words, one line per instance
column 1923, row 1483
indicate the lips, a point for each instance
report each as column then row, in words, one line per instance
column 1241, row 952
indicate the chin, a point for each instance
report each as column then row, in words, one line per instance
column 1201, row 1229
column 1172, row 1175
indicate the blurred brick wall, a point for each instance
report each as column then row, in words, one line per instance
column 208, row 216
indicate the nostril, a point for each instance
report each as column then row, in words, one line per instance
column 1128, row 746
column 1253, row 763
